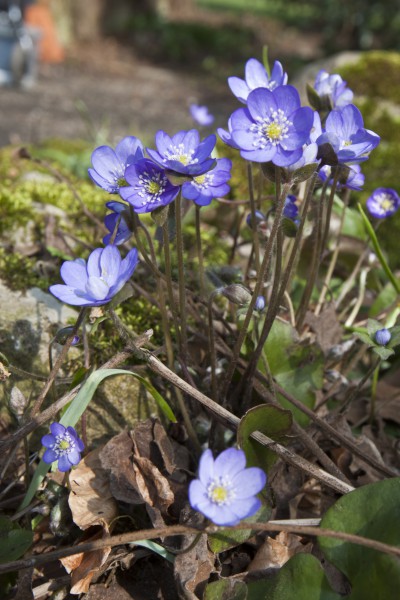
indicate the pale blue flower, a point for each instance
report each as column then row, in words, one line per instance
column 63, row 445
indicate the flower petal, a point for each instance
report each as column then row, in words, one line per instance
column 74, row 456
column 49, row 456
column 64, row 464
column 206, row 467
column 74, row 274
column 229, row 463
column 68, row 295
column 97, row 288
column 197, row 493
column 48, row 440
column 246, row 507
column 93, row 263
column 249, row 482
column 57, row 429
column 110, row 264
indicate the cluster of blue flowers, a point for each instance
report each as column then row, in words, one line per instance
column 271, row 127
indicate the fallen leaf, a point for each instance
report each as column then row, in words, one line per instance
column 326, row 327
column 276, row 551
column 90, row 500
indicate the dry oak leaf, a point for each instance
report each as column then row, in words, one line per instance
column 151, row 484
column 90, row 500
column 276, row 551
column 91, row 504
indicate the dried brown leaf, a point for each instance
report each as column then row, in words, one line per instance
column 152, row 485
column 116, row 457
column 326, row 327
column 276, row 551
column 84, row 566
column 90, row 500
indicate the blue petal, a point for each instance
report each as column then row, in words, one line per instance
column 74, row 274
column 197, row 494
column 260, row 103
column 97, row 288
column 249, row 482
column 48, row 440
column 127, row 148
column 255, row 74
column 74, row 456
column 64, row 464
column 93, row 263
column 110, row 264
column 230, row 462
column 245, row 508
column 68, row 295
column 106, row 163
column 287, row 99
column 206, row 467
column 57, row 429
column 110, row 186
column 163, row 142
column 49, row 456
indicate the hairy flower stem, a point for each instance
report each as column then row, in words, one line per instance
column 202, row 283
column 315, row 261
column 336, row 175
column 253, row 218
column 211, row 338
column 181, row 278
column 168, row 274
column 277, row 297
column 375, row 377
column 334, row 258
column 256, row 292
column 60, row 359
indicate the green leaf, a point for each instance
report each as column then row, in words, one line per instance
column 382, row 352
column 299, row 369
column 274, row 422
column 301, row 578
column 14, row 541
column 78, row 406
column 230, row 538
column 226, row 589
column 372, row 511
column 154, row 547
column 385, row 298
column 364, row 337
column 353, row 225
column 373, row 326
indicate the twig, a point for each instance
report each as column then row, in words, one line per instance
column 149, row 534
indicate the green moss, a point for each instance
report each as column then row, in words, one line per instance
column 21, row 272
column 375, row 79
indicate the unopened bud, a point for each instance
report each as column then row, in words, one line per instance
column 382, row 336
column 260, row 303
column 237, row 293
column 63, row 334
column 17, row 402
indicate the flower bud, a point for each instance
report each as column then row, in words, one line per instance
column 237, row 293
column 260, row 303
column 259, row 217
column 382, row 337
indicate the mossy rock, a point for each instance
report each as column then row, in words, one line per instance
column 375, row 80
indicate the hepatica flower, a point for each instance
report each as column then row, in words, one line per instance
column 213, row 184
column 290, row 209
column 63, row 445
column 225, row 491
column 256, row 76
column 119, row 216
column 383, row 203
column 108, row 165
column 184, row 153
column 273, row 127
column 345, row 132
column 333, row 88
column 96, row 282
column 148, row 187
column 383, row 337
column 351, row 178
column 201, row 115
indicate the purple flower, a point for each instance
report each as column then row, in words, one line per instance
column 273, row 127
column 333, row 88
column 256, row 76
column 121, row 213
column 290, row 209
column 382, row 336
column 184, row 153
column 226, row 491
column 260, row 218
column 96, row 282
column 149, row 188
column 109, row 165
column 344, row 131
column 352, row 177
column 203, row 188
column 260, row 303
column 64, row 445
column 383, row 203
column 201, row 115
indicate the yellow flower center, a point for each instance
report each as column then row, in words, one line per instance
column 386, row 204
column 200, row 179
column 273, row 130
column 153, row 187
column 183, row 158
column 219, row 494
column 64, row 445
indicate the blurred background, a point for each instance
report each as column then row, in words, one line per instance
column 76, row 69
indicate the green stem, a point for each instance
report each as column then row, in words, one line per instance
column 372, row 235
column 181, row 277
column 254, row 229
column 168, row 274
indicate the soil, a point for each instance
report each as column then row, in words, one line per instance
column 108, row 87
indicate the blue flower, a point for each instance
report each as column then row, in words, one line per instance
column 273, row 127
column 96, row 282
column 344, row 131
column 256, row 76
column 260, row 303
column 184, row 153
column 383, row 336
column 149, row 188
column 259, row 218
column 290, row 209
column 121, row 213
column 226, row 136
column 352, row 177
column 64, row 445
column 383, row 203
column 109, row 165
column 333, row 88
column 203, row 188
column 226, row 491
column 201, row 115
